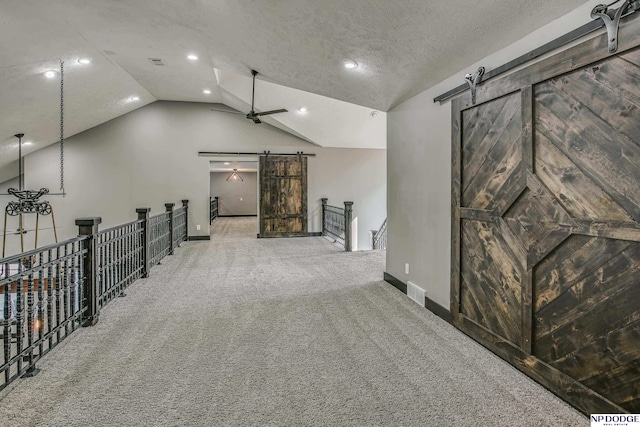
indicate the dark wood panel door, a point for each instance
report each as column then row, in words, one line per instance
column 546, row 229
column 283, row 196
column 587, row 290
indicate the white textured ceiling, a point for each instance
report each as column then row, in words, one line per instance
column 403, row 47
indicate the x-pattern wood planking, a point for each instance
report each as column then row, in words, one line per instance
column 546, row 211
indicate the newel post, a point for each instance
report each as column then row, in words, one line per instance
column 89, row 227
column 143, row 215
column 169, row 208
column 185, row 205
column 348, row 217
column 324, row 217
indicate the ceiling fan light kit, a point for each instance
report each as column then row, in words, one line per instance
column 252, row 115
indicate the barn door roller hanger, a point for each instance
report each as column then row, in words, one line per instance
column 611, row 19
column 473, row 80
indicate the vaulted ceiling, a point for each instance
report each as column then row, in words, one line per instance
column 298, row 46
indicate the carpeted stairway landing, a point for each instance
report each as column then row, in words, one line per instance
column 241, row 331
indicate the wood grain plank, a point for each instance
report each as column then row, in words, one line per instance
column 456, row 170
column 578, row 194
column 604, row 358
column 578, row 258
column 496, row 277
column 543, row 246
column 603, row 155
column 471, row 305
column 478, row 214
column 527, row 127
column 621, row 77
column 499, row 127
column 588, row 326
column 621, row 384
column 594, row 88
column 559, row 255
column 608, row 229
column 499, row 166
column 478, row 122
column 510, row 190
column 527, row 312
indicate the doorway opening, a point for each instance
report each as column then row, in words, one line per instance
column 235, row 185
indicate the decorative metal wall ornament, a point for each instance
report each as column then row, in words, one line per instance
column 28, row 202
column 611, row 19
column 235, row 176
column 474, row 80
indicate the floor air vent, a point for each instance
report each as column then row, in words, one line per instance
column 415, row 293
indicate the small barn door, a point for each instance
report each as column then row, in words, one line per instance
column 546, row 222
column 283, row 196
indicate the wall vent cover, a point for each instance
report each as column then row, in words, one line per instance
column 157, row 61
column 415, row 293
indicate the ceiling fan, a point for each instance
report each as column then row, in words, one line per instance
column 252, row 115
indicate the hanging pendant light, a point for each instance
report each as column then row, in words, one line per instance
column 234, row 176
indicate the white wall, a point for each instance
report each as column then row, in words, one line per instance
column 419, row 169
column 150, row 156
column 235, row 197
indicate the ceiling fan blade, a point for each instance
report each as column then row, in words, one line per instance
column 228, row 111
column 266, row 113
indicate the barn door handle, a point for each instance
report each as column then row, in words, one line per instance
column 611, row 19
column 473, row 80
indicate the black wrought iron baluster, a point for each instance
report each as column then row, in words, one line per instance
column 58, row 308
column 7, row 323
column 111, row 267
column 30, row 310
column 81, row 296
column 65, row 292
column 41, row 285
column 19, row 315
column 74, row 284
column 51, row 284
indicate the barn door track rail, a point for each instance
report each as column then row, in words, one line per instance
column 602, row 15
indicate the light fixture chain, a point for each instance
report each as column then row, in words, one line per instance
column 62, row 126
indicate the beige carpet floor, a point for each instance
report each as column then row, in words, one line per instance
column 240, row 331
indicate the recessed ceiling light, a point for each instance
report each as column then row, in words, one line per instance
column 206, row 92
column 134, row 98
column 84, row 61
column 303, row 109
column 27, row 143
column 50, row 74
column 350, row 64
column 192, row 57
column 227, row 163
column 373, row 113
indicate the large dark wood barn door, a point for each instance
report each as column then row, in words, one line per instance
column 546, row 223
column 283, row 196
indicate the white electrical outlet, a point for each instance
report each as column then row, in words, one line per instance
column 198, row 228
column 406, row 268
